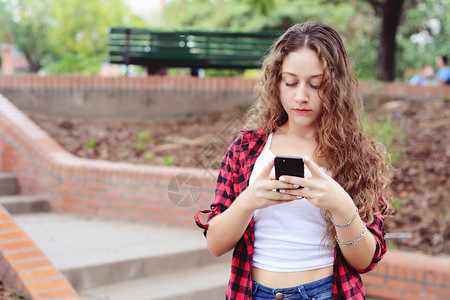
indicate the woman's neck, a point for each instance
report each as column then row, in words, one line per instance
column 296, row 132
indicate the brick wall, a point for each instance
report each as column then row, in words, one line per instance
column 156, row 97
column 25, row 268
column 149, row 194
column 117, row 190
column 411, row 276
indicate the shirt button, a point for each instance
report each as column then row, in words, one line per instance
column 279, row 296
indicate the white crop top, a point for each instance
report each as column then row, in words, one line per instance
column 288, row 236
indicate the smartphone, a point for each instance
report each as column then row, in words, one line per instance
column 289, row 165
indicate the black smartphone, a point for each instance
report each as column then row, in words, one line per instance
column 289, row 165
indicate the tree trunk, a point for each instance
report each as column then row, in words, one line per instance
column 391, row 11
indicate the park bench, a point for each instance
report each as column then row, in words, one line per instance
column 190, row 49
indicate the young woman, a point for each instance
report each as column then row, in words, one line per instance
column 310, row 242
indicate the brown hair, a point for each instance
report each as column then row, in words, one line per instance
column 360, row 165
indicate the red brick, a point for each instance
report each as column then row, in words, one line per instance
column 163, row 219
column 17, row 245
column 15, row 235
column 150, row 208
column 79, row 209
column 138, row 198
column 64, row 190
column 420, row 266
column 373, row 279
column 8, row 226
column 40, row 274
column 47, row 285
column 5, row 216
column 110, row 196
column 30, row 265
column 72, row 183
column 65, row 294
column 61, row 207
column 418, row 297
column 97, row 203
column 383, row 293
column 72, row 200
column 97, row 186
column 440, row 273
column 438, row 291
column 109, row 213
column 21, row 255
column 177, row 211
column 187, row 223
column 135, row 216
column 122, row 205
column 404, row 285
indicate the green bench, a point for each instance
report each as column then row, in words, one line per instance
column 190, row 49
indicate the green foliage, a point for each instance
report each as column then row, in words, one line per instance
column 245, row 106
column 168, row 160
column 223, row 73
column 397, row 203
column 90, row 144
column 388, row 132
column 70, row 37
column 422, row 36
column 355, row 20
column 138, row 147
column 76, row 63
column 145, row 136
column 148, row 155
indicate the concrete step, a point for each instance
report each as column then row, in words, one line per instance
column 23, row 204
column 201, row 283
column 93, row 253
column 8, row 184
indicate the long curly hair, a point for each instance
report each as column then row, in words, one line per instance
column 359, row 164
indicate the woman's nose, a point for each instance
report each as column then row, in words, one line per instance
column 301, row 94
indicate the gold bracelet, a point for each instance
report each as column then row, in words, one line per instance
column 355, row 240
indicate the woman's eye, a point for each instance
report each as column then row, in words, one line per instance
column 316, row 87
column 290, row 84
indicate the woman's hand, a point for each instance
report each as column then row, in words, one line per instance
column 321, row 190
column 263, row 191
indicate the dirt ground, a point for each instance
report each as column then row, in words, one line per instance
column 7, row 293
column 420, row 184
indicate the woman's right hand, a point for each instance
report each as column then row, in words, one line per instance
column 263, row 191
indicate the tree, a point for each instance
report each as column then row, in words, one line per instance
column 380, row 35
column 27, row 25
column 390, row 12
column 60, row 33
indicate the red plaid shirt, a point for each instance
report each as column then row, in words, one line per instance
column 234, row 175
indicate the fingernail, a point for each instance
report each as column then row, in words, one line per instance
column 299, row 197
column 282, row 191
column 282, row 178
column 296, row 186
column 306, row 158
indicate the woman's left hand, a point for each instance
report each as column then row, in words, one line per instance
column 321, row 190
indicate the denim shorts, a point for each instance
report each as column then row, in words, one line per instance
column 316, row 290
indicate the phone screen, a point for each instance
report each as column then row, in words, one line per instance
column 289, row 165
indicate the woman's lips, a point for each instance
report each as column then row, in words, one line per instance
column 302, row 110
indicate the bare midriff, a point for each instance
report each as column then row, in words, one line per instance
column 289, row 279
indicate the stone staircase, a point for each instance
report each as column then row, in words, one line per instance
column 106, row 259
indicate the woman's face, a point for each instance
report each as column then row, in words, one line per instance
column 301, row 76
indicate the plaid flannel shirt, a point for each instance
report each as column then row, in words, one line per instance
column 234, row 175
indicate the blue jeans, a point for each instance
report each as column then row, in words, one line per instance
column 316, row 290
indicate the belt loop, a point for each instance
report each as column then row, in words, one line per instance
column 302, row 292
